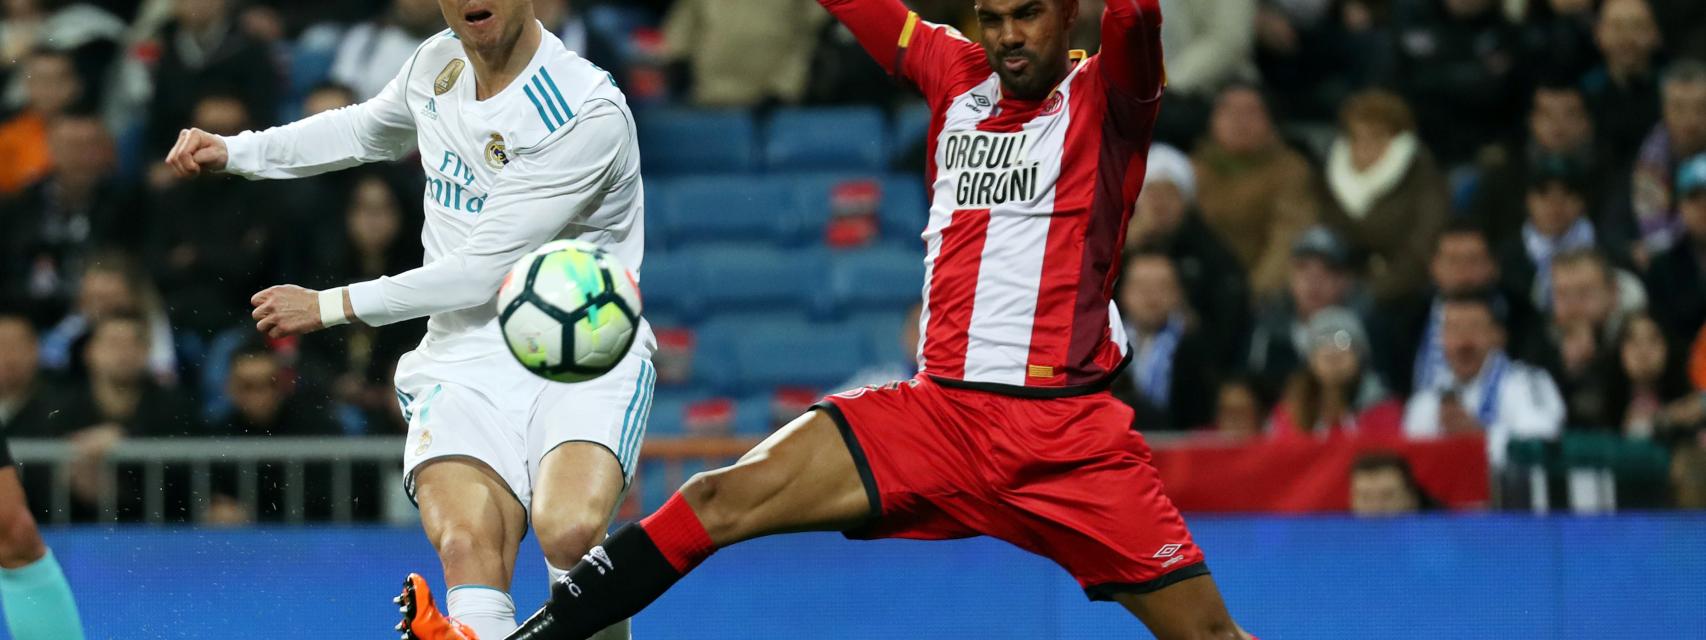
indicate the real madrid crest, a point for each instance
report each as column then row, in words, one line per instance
column 496, row 156
column 447, row 77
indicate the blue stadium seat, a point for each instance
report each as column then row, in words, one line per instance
column 669, row 412
column 883, row 278
column 814, row 195
column 840, row 139
column 745, row 280
column 807, row 355
column 906, row 207
column 715, row 339
column 882, row 335
column 911, row 125
column 728, row 210
column 753, row 415
column 669, row 284
column 680, row 141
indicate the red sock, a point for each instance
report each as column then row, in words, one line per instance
column 678, row 534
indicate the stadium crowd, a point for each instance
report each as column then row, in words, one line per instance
column 1407, row 217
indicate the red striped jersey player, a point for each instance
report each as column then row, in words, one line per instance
column 1008, row 431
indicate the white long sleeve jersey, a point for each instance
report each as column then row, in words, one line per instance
column 553, row 155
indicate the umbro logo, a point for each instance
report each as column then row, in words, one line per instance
column 600, row 560
column 1168, row 551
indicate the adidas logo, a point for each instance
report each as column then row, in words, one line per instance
column 431, row 108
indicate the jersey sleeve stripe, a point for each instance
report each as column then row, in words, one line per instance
column 546, row 74
column 906, row 31
column 547, row 119
column 557, row 119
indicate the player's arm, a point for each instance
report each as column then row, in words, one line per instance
column 537, row 196
column 1131, row 49
column 932, row 56
column 379, row 129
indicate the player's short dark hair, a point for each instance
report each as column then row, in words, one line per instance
column 1383, row 460
column 1491, row 300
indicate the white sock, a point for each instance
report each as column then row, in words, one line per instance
column 618, row 631
column 488, row 611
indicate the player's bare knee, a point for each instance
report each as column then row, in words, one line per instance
column 20, row 542
column 706, row 493
column 567, row 535
column 460, row 546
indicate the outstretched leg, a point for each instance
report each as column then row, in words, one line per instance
column 33, row 591
column 802, row 478
column 476, row 525
column 1187, row 610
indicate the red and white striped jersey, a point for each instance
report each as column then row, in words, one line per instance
column 1029, row 199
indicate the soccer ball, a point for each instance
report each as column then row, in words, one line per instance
column 569, row 311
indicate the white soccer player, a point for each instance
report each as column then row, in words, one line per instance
column 522, row 142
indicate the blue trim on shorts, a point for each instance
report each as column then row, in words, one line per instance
column 634, row 420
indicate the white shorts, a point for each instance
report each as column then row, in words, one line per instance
column 491, row 409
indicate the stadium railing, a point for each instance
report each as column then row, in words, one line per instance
column 333, row 461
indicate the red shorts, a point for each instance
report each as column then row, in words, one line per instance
column 1065, row 478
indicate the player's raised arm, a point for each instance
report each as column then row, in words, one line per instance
column 382, row 128
column 537, row 195
column 932, row 56
column 1131, row 48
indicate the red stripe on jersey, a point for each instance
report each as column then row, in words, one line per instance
column 953, row 288
column 1058, row 314
column 1119, row 176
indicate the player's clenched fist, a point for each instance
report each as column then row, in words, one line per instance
column 286, row 310
column 195, row 151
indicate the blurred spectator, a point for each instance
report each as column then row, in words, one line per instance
column 265, row 402
column 1623, row 91
column 1170, row 362
column 26, row 399
column 1681, row 134
column 376, row 238
column 1240, row 410
column 1590, row 300
column 117, row 399
column 87, row 34
column 716, row 41
column 1558, row 38
column 1559, row 125
column 1487, row 392
column 1253, row 190
column 1337, row 392
column 48, row 231
column 326, row 97
column 373, row 52
column 1383, row 193
column 1649, row 390
column 1557, row 223
column 201, row 53
column 903, row 367
column 1383, row 484
column 1458, row 64
column 51, row 86
column 563, row 18
column 112, row 284
column 295, row 16
column 1314, row 53
column 1166, row 221
column 1462, row 263
column 1678, row 275
column 1684, row 25
column 1320, row 278
column 213, row 241
column 1206, row 46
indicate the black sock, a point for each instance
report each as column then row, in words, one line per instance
column 611, row 584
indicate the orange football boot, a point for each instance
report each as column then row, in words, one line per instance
column 421, row 619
